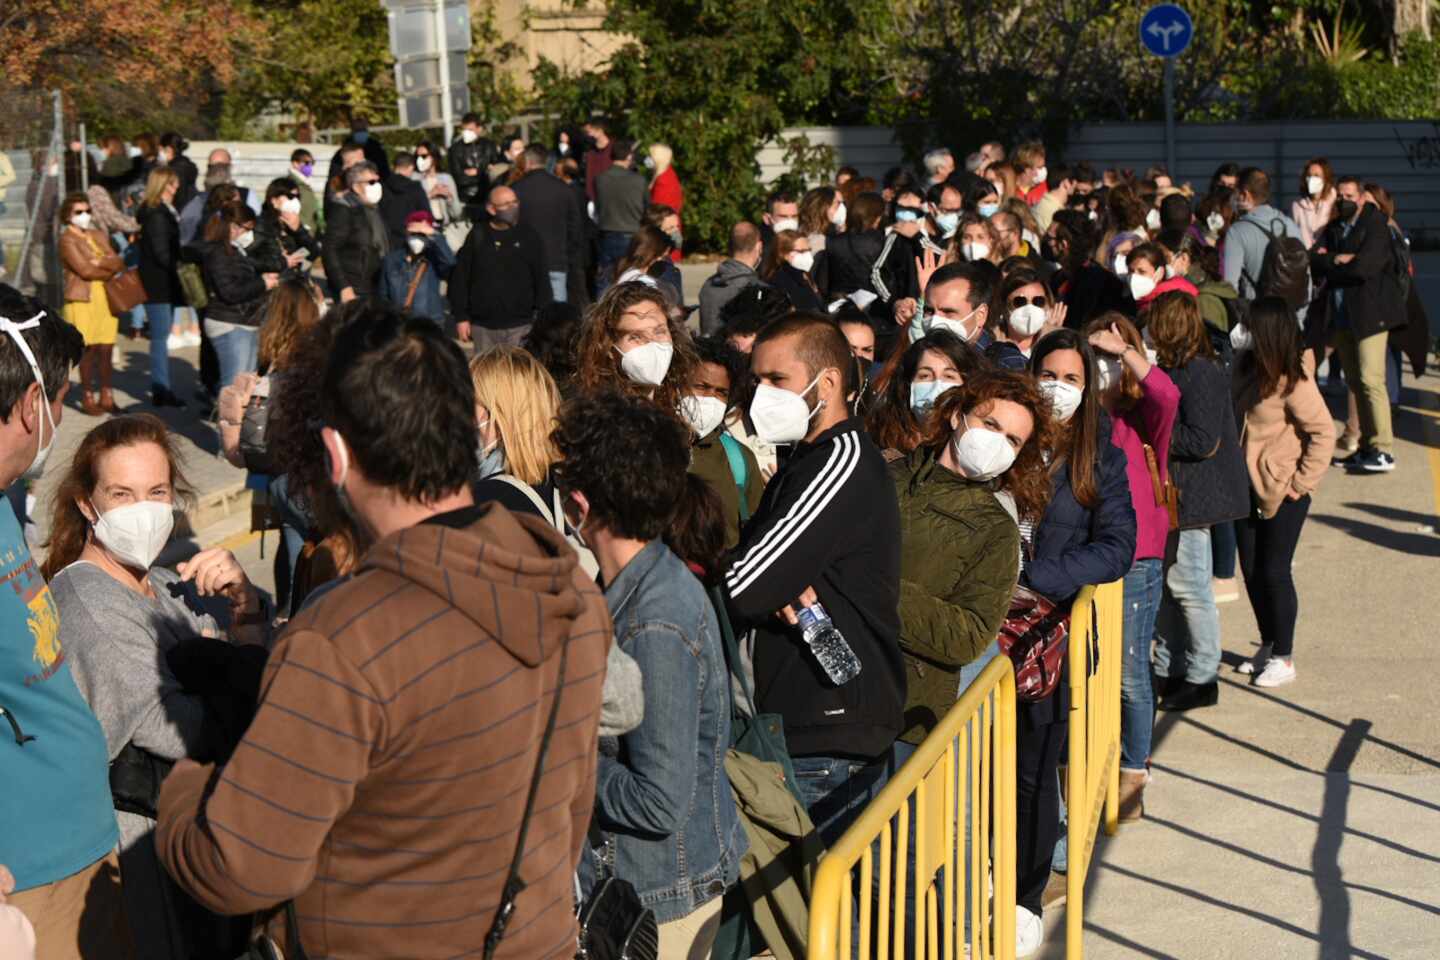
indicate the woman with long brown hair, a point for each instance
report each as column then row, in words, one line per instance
column 787, row 265
column 89, row 260
column 122, row 618
column 645, row 259
column 911, row 385
column 237, row 284
column 631, row 343
column 159, row 266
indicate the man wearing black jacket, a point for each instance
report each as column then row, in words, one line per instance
column 1363, row 303
column 402, row 197
column 827, row 529
column 355, row 236
column 500, row 278
column 550, row 207
column 470, row 154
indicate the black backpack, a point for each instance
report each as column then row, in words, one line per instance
column 1401, row 268
column 1285, row 268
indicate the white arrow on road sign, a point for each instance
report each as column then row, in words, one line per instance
column 1166, row 32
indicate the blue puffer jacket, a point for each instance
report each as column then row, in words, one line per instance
column 1074, row 545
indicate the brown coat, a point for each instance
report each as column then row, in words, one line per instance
column 1288, row 439
column 80, row 263
column 382, row 781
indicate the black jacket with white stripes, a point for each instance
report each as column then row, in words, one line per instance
column 828, row 519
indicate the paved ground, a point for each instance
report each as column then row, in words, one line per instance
column 1304, row 822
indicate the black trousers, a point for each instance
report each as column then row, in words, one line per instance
column 1037, row 807
column 1267, row 548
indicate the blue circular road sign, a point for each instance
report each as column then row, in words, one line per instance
column 1166, row 30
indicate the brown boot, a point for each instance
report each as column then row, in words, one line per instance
column 88, row 404
column 1132, row 795
column 107, row 399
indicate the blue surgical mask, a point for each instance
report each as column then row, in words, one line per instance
column 924, row 394
column 988, row 210
column 360, row 136
column 491, row 461
column 948, row 223
column 906, row 215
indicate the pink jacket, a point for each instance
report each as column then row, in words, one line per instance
column 1150, row 421
column 1312, row 216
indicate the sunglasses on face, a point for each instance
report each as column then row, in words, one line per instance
column 1038, row 301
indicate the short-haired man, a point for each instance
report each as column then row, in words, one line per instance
column 665, row 802
column 356, row 240
column 500, row 279
column 59, row 836
column 599, row 157
column 782, row 212
column 370, row 146
column 621, row 196
column 957, row 300
column 302, row 167
column 734, row 275
column 470, row 156
column 939, row 164
column 549, row 207
column 402, row 196
column 1061, row 185
column 716, row 456
column 805, row 545
column 1355, row 256
column 1249, row 236
column 382, row 782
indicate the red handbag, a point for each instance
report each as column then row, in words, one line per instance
column 1036, row 638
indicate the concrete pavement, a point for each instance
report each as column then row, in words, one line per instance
column 1304, row 821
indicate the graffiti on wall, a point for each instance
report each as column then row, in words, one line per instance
column 1423, row 153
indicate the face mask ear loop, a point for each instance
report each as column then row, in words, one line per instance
column 13, row 329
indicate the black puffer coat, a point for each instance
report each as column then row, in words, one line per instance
column 1206, row 462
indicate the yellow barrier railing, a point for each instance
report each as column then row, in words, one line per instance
column 967, row 763
column 1092, row 782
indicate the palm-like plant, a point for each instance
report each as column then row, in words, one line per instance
column 1340, row 47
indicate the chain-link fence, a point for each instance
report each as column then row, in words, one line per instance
column 32, row 183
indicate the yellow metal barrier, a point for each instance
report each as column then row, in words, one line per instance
column 970, row 756
column 1092, row 785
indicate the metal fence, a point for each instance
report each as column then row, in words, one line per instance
column 32, row 182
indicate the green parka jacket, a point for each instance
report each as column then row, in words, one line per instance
column 959, row 559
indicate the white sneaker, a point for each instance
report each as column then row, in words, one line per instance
column 1029, row 932
column 174, row 342
column 1255, row 664
column 1277, row 673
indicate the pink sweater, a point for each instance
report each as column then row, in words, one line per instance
column 1149, row 421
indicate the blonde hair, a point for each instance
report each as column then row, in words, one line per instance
column 160, row 178
column 523, row 401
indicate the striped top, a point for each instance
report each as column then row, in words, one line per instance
column 382, row 781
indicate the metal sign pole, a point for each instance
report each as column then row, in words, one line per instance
column 447, row 104
column 84, row 154
column 1170, row 116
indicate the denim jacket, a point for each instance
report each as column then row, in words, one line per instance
column 664, row 801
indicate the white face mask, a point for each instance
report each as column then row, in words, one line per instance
column 135, row 533
column 1215, row 222
column 1029, row 237
column 802, row 261
column 564, row 149
column 925, row 393
column 243, row 241
column 703, row 414
column 1041, row 173
column 956, row 327
column 981, row 454
column 1064, row 398
column 291, row 206
column 416, row 244
column 82, row 220
column 1122, row 266
column 648, row 364
column 373, row 193
column 838, row 217
column 1315, row 185
column 1240, row 338
column 975, row 251
column 785, row 223
column 1107, row 372
column 1141, row 287
column 469, row 136
column 423, row 164
column 43, row 416
column 1152, row 219
column 781, row 416
column 1027, row 320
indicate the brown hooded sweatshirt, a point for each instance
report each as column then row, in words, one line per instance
column 382, row 781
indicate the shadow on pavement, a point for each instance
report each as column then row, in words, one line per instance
column 1417, row 544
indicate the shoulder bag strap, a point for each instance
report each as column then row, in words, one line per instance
column 529, row 491
column 415, row 282
column 736, row 456
column 514, row 886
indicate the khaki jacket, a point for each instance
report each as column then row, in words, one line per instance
column 81, row 264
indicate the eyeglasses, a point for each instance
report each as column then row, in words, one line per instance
column 1018, row 302
column 368, row 182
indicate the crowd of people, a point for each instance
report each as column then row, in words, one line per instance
column 637, row 604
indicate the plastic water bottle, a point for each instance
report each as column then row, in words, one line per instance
column 827, row 643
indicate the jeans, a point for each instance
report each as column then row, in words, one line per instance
column 558, row 286
column 612, row 248
column 160, row 316
column 1187, row 632
column 237, row 352
column 1366, row 361
column 295, row 524
column 1143, row 586
column 1222, row 549
column 1267, row 549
